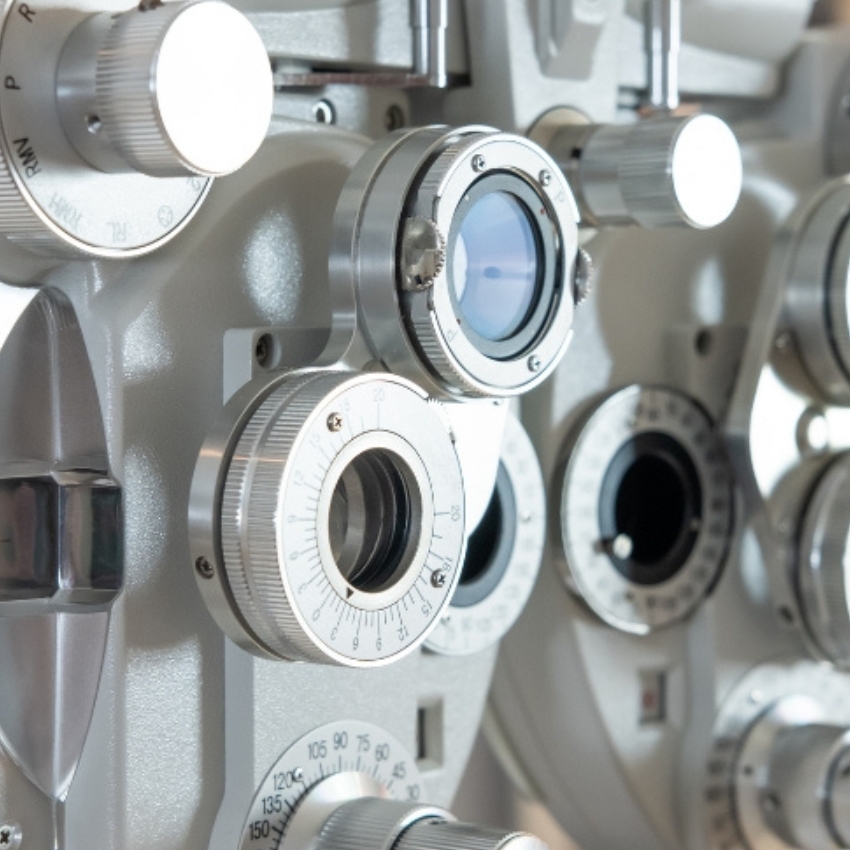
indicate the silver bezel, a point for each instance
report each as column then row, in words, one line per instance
column 586, row 565
column 821, row 245
column 425, row 173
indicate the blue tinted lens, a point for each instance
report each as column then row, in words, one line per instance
column 495, row 266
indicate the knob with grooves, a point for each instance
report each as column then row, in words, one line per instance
column 371, row 823
column 823, row 564
column 170, row 89
column 792, row 778
column 658, row 172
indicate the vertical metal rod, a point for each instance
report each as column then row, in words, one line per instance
column 429, row 20
column 664, row 33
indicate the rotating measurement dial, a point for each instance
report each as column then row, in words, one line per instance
column 345, row 747
column 112, row 124
column 646, row 509
column 330, row 519
column 503, row 554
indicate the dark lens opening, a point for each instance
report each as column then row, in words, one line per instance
column 373, row 521
column 651, row 498
column 490, row 546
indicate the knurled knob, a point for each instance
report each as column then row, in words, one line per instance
column 166, row 89
column 379, row 824
column 824, row 562
column 657, row 172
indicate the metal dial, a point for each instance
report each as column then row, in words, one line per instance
column 744, row 776
column 167, row 89
column 646, row 509
column 344, row 747
column 341, row 527
column 822, row 569
column 503, row 554
column 51, row 199
column 461, row 247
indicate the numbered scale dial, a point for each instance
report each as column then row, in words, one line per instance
column 646, row 509
column 330, row 515
column 337, row 749
column 503, row 554
column 750, row 804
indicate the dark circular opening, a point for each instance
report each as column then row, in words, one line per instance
column 503, row 266
column 488, row 551
column 374, row 520
column 650, row 509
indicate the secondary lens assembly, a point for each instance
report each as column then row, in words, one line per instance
column 646, row 509
column 461, row 247
column 328, row 518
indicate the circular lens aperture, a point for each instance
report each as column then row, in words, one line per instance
column 496, row 266
column 651, row 497
column 372, row 525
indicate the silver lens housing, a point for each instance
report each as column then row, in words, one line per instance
column 421, row 177
column 262, row 495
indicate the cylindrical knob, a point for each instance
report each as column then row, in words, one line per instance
column 378, row 824
column 808, row 801
column 824, row 563
column 166, row 89
column 658, row 172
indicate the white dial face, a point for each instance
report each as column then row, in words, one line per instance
column 514, row 556
column 104, row 214
column 343, row 747
column 646, row 509
column 329, row 509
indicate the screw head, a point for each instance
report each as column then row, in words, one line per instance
column 298, row 774
column 335, row 422
column 783, row 341
column 10, row 836
column 545, row 178
column 439, row 578
column 534, row 363
column 204, row 569
column 478, row 162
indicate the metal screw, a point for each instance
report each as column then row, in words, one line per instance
column 10, row 836
column 324, row 112
column 335, row 422
column 298, row 774
column 545, row 178
column 263, row 350
column 534, row 363
column 393, row 118
column 782, row 341
column 204, row 567
column 756, row 697
column 478, row 162
column 438, row 578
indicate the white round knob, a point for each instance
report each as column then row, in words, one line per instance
column 824, row 564
column 167, row 90
column 659, row 172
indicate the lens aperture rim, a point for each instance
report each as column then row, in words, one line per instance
column 548, row 274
